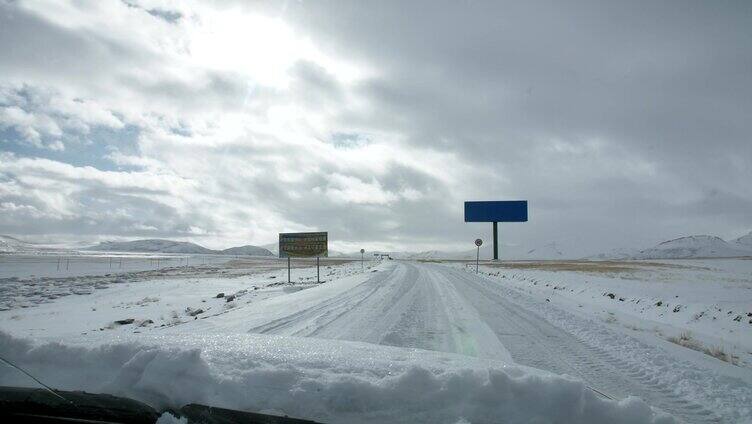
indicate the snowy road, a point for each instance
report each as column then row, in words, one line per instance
column 436, row 307
column 499, row 317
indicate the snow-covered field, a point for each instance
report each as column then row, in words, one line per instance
column 78, row 264
column 695, row 348
column 708, row 302
column 399, row 341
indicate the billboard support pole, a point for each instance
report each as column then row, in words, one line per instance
column 496, row 240
column 288, row 270
column 496, row 211
column 318, row 280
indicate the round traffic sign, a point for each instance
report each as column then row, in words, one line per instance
column 362, row 250
column 478, row 242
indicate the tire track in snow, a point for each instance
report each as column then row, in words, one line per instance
column 536, row 342
column 436, row 307
column 307, row 321
column 408, row 306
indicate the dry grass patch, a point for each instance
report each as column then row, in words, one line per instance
column 685, row 339
column 609, row 267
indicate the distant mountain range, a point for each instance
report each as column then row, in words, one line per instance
column 547, row 251
column 169, row 246
column 696, row 246
column 10, row 244
column 699, row 246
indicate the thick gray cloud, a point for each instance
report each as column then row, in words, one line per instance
column 623, row 124
column 629, row 113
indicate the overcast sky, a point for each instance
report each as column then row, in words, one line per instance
column 623, row 124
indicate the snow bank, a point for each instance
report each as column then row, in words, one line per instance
column 323, row 380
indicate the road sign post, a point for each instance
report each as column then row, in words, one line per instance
column 495, row 212
column 362, row 251
column 303, row 245
column 478, row 243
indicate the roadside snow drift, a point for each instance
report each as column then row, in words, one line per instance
column 323, row 380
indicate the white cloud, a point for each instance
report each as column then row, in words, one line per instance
column 235, row 110
column 43, row 117
column 346, row 189
column 28, row 211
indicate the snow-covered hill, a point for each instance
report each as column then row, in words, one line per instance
column 272, row 247
column 548, row 251
column 10, row 244
column 698, row 246
column 152, row 245
column 744, row 242
column 617, row 253
column 170, row 246
column 248, row 250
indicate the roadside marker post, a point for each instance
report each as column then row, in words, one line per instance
column 318, row 280
column 288, row 270
column 362, row 251
column 478, row 243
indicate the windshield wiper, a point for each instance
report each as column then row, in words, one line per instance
column 32, row 405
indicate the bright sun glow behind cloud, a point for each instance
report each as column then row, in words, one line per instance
column 261, row 47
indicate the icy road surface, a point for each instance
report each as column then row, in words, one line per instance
column 441, row 308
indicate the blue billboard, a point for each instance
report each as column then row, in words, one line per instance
column 496, row 211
